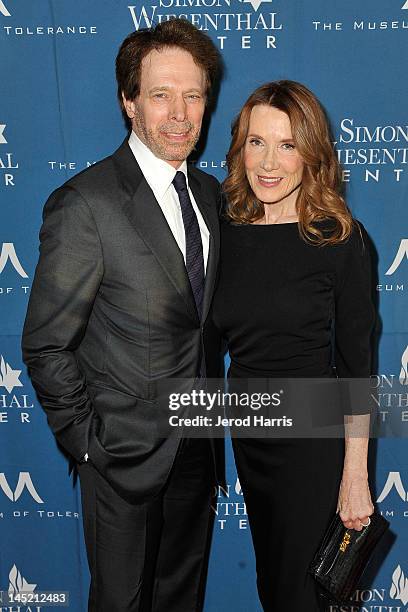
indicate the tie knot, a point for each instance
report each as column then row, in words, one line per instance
column 179, row 181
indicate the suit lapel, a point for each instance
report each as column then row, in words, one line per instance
column 146, row 216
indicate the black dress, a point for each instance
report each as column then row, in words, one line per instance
column 277, row 303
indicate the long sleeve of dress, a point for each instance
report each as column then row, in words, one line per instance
column 354, row 321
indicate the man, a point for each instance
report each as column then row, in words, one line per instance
column 127, row 267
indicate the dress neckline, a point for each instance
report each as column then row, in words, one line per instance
column 274, row 224
column 264, row 224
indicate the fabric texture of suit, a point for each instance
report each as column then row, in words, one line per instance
column 111, row 313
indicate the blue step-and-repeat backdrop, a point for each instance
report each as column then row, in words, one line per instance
column 58, row 115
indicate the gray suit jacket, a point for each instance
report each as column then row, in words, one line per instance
column 111, row 312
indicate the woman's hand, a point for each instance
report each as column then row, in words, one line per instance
column 354, row 503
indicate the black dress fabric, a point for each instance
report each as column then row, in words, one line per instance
column 278, row 302
column 278, row 296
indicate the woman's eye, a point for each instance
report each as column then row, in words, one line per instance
column 255, row 141
column 287, row 146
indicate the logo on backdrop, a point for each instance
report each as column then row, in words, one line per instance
column 9, row 378
column 372, row 152
column 399, row 259
column 8, row 252
column 238, row 488
column 399, row 587
column 257, row 3
column 47, row 29
column 18, row 584
column 402, row 253
column 377, row 598
column 24, row 482
column 403, row 377
column 362, row 25
column 2, row 137
column 223, row 23
column 394, row 496
column 230, row 508
column 3, row 9
column 390, row 395
column 74, row 166
column 394, row 481
column 13, row 407
column 17, row 503
column 6, row 159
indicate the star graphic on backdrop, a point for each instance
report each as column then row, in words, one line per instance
column 257, row 3
column 405, row 6
column 403, row 377
column 9, row 378
column 399, row 587
column 18, row 583
column 2, row 137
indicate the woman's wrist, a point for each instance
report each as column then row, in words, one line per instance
column 355, row 471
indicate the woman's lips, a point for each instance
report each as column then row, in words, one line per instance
column 269, row 181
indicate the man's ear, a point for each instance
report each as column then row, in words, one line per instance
column 130, row 106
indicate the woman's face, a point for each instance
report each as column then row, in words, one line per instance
column 273, row 166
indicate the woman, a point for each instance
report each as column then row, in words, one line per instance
column 294, row 264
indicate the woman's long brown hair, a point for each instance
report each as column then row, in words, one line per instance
column 320, row 192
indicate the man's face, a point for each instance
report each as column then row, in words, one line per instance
column 167, row 113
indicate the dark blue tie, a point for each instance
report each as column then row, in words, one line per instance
column 194, row 245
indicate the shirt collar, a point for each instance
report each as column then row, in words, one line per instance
column 157, row 172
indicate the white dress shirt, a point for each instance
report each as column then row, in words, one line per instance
column 159, row 175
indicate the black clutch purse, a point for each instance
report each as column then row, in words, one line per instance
column 343, row 556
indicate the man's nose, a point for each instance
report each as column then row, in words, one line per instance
column 178, row 109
